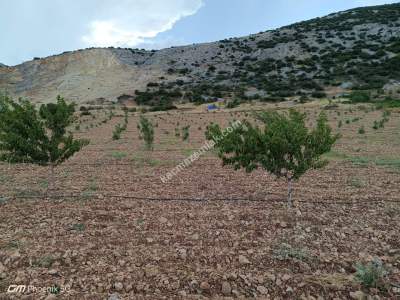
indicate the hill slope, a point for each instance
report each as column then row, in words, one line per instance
column 358, row 48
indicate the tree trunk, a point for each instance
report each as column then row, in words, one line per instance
column 289, row 192
column 51, row 181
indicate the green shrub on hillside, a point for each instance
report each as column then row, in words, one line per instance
column 359, row 97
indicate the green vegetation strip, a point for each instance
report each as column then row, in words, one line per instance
column 364, row 160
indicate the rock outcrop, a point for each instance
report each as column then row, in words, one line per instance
column 358, row 47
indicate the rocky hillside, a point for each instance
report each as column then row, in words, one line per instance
column 355, row 49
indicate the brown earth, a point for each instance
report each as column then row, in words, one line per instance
column 110, row 226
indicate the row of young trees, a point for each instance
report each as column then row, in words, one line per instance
column 29, row 135
column 283, row 146
column 120, row 128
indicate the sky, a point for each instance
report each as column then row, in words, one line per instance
column 39, row 28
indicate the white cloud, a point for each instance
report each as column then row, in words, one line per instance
column 131, row 22
column 374, row 2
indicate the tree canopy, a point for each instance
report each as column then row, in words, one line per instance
column 28, row 135
column 284, row 146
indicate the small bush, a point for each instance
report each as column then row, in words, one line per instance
column 185, row 133
column 177, row 132
column 233, row 104
column 146, row 129
column 318, row 95
column 388, row 103
column 381, row 123
column 304, row 99
column 126, row 117
column 118, row 155
column 117, row 132
column 359, row 97
column 371, row 275
column 287, row 252
column 376, row 125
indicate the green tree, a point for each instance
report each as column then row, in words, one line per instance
column 35, row 136
column 185, row 133
column 117, row 132
column 146, row 130
column 284, row 146
column 125, row 109
column 39, row 137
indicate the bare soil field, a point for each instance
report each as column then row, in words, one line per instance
column 107, row 227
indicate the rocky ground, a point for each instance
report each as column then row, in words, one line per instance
column 103, row 232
